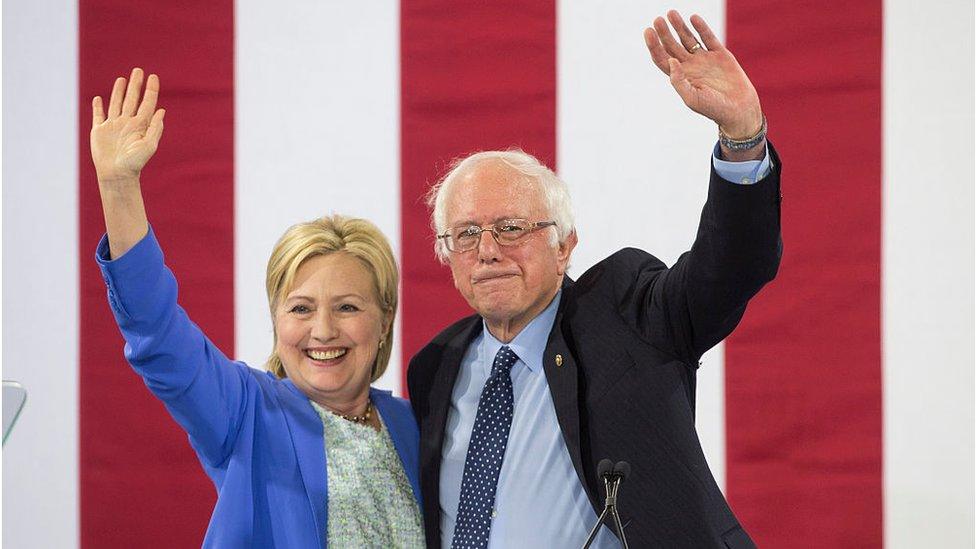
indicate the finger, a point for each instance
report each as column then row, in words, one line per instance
column 98, row 112
column 708, row 37
column 688, row 39
column 658, row 55
column 132, row 93
column 681, row 84
column 148, row 105
column 673, row 48
column 155, row 130
column 115, row 101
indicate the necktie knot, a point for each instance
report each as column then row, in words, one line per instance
column 504, row 360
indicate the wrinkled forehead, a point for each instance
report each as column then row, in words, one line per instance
column 493, row 190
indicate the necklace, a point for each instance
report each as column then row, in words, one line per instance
column 358, row 419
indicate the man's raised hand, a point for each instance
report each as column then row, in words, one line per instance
column 706, row 76
column 126, row 138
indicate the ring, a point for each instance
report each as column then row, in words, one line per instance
column 695, row 48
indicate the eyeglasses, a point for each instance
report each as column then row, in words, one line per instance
column 507, row 233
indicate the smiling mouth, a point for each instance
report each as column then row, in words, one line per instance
column 325, row 356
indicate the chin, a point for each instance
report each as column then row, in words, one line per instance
column 496, row 311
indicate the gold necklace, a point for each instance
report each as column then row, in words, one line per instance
column 358, row 419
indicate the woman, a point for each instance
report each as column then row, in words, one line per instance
column 306, row 454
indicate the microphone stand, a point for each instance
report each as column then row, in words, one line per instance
column 611, row 483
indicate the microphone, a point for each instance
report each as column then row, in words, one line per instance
column 622, row 468
column 613, row 475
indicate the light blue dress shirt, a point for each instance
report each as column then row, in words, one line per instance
column 540, row 501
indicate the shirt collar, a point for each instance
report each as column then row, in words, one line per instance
column 530, row 343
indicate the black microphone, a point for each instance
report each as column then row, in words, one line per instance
column 612, row 475
column 622, row 468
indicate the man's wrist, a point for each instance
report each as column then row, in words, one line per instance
column 743, row 155
column 751, row 123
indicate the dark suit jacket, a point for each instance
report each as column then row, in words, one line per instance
column 630, row 332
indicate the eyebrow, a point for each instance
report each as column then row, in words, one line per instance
column 338, row 297
column 496, row 220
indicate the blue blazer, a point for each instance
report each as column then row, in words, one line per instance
column 257, row 436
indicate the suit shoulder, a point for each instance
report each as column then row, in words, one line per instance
column 625, row 263
column 449, row 333
column 430, row 353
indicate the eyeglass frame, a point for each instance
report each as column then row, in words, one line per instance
column 533, row 226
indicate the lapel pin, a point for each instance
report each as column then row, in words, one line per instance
column 559, row 360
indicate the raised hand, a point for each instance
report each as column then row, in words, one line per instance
column 706, row 76
column 121, row 143
column 124, row 140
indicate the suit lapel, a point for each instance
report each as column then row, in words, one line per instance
column 562, row 375
column 432, row 429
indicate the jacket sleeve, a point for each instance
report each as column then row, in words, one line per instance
column 203, row 390
column 692, row 306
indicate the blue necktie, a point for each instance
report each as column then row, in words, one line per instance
column 483, row 462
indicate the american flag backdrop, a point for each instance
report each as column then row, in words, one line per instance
column 839, row 414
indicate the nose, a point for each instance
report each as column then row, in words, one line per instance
column 488, row 249
column 324, row 327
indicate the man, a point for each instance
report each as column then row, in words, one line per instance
column 519, row 403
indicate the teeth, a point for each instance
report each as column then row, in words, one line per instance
column 326, row 355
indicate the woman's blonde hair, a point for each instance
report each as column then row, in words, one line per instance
column 326, row 235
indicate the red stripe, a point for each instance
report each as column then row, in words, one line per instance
column 141, row 485
column 803, row 371
column 475, row 76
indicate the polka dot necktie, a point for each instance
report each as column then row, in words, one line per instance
column 489, row 437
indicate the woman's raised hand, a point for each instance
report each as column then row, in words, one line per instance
column 126, row 137
column 122, row 141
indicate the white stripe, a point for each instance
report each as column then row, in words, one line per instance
column 316, row 132
column 40, row 274
column 928, row 326
column 635, row 158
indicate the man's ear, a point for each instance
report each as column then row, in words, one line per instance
column 565, row 251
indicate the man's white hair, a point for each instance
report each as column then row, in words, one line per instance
column 554, row 191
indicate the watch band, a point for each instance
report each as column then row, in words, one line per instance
column 744, row 144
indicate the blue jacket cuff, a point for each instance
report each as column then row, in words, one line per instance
column 141, row 265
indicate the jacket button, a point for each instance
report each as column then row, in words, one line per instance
column 559, row 360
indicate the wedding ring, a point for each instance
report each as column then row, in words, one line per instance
column 695, row 48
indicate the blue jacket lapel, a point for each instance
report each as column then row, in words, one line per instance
column 403, row 431
column 307, row 437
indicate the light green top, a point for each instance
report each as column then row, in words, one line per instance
column 371, row 502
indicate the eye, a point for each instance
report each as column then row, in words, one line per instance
column 348, row 308
column 511, row 230
column 513, row 227
column 466, row 233
column 300, row 309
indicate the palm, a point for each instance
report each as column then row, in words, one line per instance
column 719, row 88
column 119, row 146
column 124, row 141
column 708, row 79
